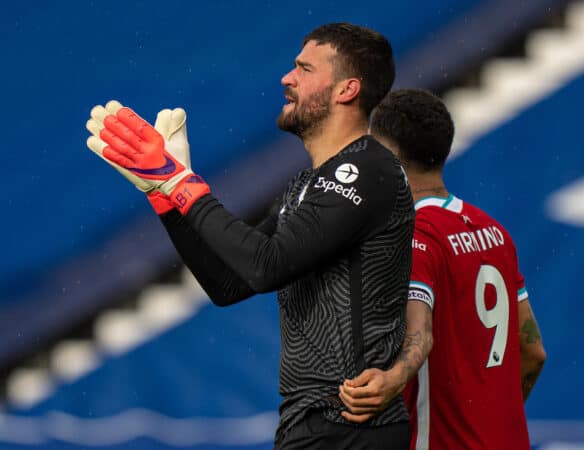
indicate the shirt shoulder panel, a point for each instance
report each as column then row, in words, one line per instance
column 364, row 174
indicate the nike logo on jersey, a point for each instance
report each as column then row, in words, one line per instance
column 168, row 168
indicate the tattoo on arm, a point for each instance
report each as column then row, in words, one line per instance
column 532, row 354
column 412, row 344
column 531, row 331
column 527, row 383
column 415, row 349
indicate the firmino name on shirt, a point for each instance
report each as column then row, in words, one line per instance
column 479, row 240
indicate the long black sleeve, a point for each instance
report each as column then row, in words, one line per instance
column 223, row 286
column 344, row 200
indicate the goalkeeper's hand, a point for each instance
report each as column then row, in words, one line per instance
column 172, row 125
column 126, row 140
column 96, row 145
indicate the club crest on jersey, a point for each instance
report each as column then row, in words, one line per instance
column 347, row 173
column 347, row 192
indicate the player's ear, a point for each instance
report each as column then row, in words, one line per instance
column 348, row 90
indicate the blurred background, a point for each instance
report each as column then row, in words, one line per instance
column 106, row 342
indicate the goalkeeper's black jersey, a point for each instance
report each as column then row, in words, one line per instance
column 338, row 249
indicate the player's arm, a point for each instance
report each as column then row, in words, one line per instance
column 325, row 224
column 417, row 343
column 373, row 390
column 223, row 286
column 533, row 355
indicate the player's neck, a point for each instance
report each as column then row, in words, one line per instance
column 336, row 133
column 429, row 184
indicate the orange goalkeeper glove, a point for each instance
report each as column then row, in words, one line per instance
column 135, row 146
column 172, row 125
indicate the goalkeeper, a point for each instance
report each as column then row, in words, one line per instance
column 336, row 246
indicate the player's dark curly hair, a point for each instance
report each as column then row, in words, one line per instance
column 419, row 123
column 364, row 54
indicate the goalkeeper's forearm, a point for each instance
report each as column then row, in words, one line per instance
column 221, row 284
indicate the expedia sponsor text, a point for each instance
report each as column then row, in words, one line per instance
column 347, row 192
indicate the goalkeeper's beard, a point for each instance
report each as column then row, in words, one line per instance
column 307, row 117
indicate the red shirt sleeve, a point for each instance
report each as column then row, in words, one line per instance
column 426, row 255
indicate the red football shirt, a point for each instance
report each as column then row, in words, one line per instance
column 468, row 394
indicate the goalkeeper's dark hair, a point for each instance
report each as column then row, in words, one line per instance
column 361, row 53
column 419, row 123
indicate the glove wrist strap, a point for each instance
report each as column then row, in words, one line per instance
column 188, row 191
column 160, row 202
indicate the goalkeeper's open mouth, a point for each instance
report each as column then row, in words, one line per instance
column 290, row 102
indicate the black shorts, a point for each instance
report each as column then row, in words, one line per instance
column 315, row 432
